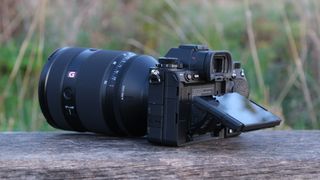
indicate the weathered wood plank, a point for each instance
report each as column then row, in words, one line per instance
column 261, row 154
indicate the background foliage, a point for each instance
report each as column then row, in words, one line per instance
column 278, row 43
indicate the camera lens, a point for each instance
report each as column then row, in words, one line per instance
column 96, row 90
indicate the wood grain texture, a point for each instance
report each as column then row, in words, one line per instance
column 254, row 155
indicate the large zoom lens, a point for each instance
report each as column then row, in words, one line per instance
column 95, row 90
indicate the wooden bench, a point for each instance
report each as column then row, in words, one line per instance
column 61, row 155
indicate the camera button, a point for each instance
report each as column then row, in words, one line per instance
column 242, row 73
column 154, row 77
column 67, row 93
column 234, row 75
column 237, row 65
column 195, row 76
column 187, row 76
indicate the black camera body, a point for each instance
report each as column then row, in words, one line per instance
column 191, row 93
column 185, row 73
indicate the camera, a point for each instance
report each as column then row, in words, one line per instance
column 190, row 94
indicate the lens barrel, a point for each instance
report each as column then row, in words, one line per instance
column 102, row 91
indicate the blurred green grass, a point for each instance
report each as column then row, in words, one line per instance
column 276, row 41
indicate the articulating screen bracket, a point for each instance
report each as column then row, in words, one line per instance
column 237, row 112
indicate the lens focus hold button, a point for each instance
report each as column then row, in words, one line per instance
column 68, row 93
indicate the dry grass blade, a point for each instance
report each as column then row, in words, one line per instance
column 34, row 109
column 200, row 38
column 299, row 67
column 22, row 95
column 316, row 40
column 219, row 27
column 139, row 45
column 317, row 13
column 294, row 74
column 10, row 28
column 163, row 27
column 286, row 88
column 176, row 28
column 17, row 66
column 19, row 58
column 254, row 53
column 87, row 11
column 26, row 79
